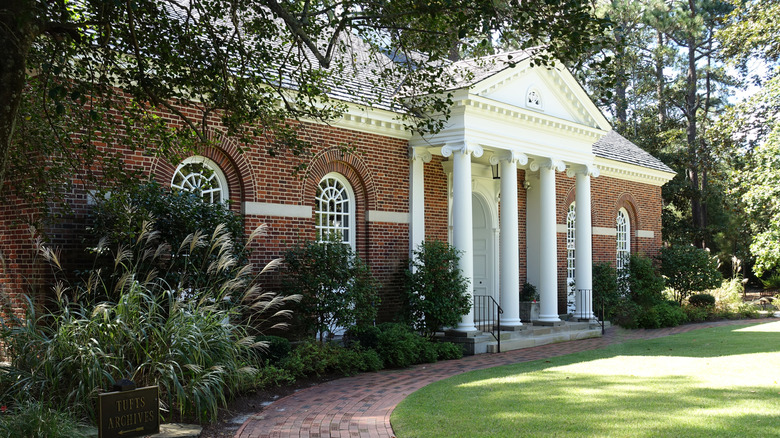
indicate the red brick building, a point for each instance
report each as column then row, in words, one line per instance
column 527, row 179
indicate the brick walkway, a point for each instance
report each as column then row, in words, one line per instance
column 360, row 406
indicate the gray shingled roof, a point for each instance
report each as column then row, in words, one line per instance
column 475, row 70
column 614, row 146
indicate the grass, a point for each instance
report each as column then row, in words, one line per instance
column 719, row 382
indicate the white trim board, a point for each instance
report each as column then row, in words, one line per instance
column 278, row 210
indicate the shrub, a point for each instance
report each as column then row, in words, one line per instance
column 689, row 269
column 154, row 334
column 701, row 300
column 363, row 336
column 436, row 293
column 399, row 346
column 528, row 292
column 318, row 359
column 448, row 351
column 337, row 288
column 697, row 313
column 274, row 348
column 645, row 286
column 179, row 223
column 771, row 282
column 32, row 419
column 606, row 295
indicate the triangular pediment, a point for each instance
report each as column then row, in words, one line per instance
column 550, row 91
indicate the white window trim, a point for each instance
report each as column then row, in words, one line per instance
column 218, row 175
column 571, row 246
column 622, row 240
column 347, row 187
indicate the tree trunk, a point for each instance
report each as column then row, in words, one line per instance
column 660, row 80
column 691, row 107
column 621, row 103
column 17, row 32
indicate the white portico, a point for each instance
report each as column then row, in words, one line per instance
column 512, row 119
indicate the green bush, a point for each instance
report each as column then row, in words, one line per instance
column 319, row 359
column 180, row 224
column 337, row 288
column 365, row 336
column 448, row 351
column 269, row 376
column 528, row 292
column 606, row 295
column 645, row 286
column 701, row 300
column 274, row 348
column 436, row 293
column 698, row 313
column 688, row 269
column 195, row 348
column 662, row 314
column 772, row 281
column 399, row 346
column 32, row 419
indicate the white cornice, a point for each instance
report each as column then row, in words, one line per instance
column 503, row 111
column 370, row 121
column 632, row 172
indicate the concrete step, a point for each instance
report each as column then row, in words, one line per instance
column 521, row 342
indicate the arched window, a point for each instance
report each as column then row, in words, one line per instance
column 202, row 176
column 570, row 256
column 623, row 225
column 334, row 212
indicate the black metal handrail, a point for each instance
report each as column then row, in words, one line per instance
column 487, row 315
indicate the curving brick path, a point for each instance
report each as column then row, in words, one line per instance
column 360, row 406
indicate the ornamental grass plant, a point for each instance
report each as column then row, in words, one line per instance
column 193, row 342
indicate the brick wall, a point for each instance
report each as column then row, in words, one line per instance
column 376, row 167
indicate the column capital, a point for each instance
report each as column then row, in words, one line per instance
column 514, row 157
column 582, row 169
column 547, row 163
column 420, row 153
column 463, row 147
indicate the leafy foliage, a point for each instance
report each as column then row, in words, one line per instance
column 436, row 293
column 701, row 300
column 688, row 269
column 399, row 346
column 337, row 288
column 167, row 218
column 106, row 63
column 33, row 419
column 196, row 348
column 528, row 292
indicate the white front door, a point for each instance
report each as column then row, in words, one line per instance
column 483, row 250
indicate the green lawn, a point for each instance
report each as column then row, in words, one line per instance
column 709, row 383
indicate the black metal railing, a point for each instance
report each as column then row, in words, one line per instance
column 600, row 310
column 487, row 316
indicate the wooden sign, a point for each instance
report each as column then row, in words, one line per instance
column 124, row 414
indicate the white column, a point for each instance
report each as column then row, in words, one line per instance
column 548, row 242
column 418, row 157
column 583, row 273
column 532, row 228
column 462, row 228
column 509, row 246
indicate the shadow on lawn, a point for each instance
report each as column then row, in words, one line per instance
column 692, row 384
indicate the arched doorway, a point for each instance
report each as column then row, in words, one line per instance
column 484, row 249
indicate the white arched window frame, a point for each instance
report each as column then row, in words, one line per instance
column 203, row 176
column 623, row 239
column 570, row 256
column 334, row 210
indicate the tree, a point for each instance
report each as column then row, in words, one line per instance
column 436, row 290
column 83, row 73
column 688, row 269
column 336, row 287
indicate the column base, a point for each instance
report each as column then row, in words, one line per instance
column 512, row 327
column 557, row 323
column 461, row 333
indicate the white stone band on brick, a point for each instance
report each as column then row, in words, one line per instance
column 387, row 216
column 277, row 210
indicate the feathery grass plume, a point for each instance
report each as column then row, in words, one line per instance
column 190, row 337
